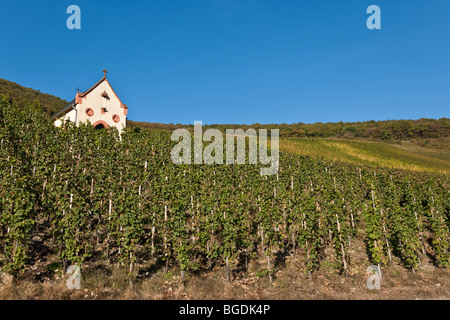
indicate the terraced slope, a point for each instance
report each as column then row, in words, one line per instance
column 402, row 156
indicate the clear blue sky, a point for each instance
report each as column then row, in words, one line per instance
column 238, row 61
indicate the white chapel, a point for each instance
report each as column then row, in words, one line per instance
column 99, row 105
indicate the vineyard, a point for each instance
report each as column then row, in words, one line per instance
column 83, row 195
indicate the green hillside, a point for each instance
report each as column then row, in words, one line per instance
column 431, row 133
column 22, row 95
column 419, row 145
column 405, row 155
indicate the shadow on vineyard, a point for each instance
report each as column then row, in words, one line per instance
column 141, row 227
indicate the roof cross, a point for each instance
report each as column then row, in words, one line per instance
column 77, row 89
column 105, row 72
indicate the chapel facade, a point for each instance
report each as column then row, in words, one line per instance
column 99, row 105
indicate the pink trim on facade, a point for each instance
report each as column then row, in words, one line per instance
column 101, row 122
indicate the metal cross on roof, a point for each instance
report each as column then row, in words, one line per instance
column 105, row 72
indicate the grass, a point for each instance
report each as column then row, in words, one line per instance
column 378, row 154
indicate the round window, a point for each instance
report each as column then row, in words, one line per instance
column 89, row 112
column 116, row 118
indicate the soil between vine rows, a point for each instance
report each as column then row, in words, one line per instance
column 103, row 282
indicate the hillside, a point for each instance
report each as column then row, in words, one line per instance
column 22, row 95
column 158, row 230
column 162, row 230
column 404, row 155
column 424, row 132
column 429, row 133
column 401, row 145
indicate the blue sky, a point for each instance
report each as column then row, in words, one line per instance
column 238, row 61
